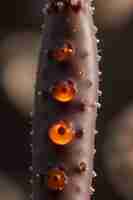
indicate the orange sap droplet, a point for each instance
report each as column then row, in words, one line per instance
column 63, row 53
column 64, row 91
column 61, row 133
column 56, row 179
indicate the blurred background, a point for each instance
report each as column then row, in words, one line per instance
column 20, row 36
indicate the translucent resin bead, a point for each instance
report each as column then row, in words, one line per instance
column 56, row 179
column 62, row 54
column 64, row 91
column 61, row 133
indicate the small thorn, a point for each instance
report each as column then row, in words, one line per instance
column 94, row 174
column 60, row 5
column 30, row 168
column 94, row 151
column 98, row 105
column 99, row 73
column 91, row 9
column 92, row 190
column 99, row 93
column 98, row 57
column 98, row 41
column 31, row 114
column 31, row 146
column 31, row 181
column 37, row 175
column 43, row 26
column 39, row 178
column 95, row 132
column 45, row 9
column 39, row 93
column 32, row 132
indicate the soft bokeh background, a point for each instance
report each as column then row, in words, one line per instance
column 20, row 36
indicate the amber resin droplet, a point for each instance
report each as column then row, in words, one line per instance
column 63, row 53
column 56, row 179
column 61, row 133
column 64, row 91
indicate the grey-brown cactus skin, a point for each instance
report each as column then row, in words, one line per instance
column 82, row 69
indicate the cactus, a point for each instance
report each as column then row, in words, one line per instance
column 66, row 102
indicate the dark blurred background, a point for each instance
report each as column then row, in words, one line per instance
column 20, row 34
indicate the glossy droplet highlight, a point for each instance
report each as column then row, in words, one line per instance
column 64, row 91
column 62, row 54
column 56, row 179
column 61, row 133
